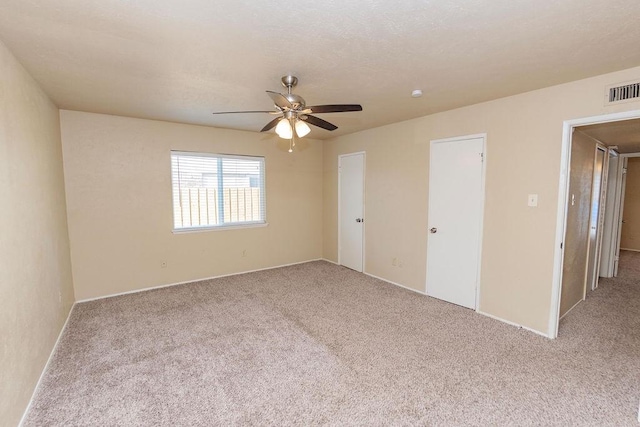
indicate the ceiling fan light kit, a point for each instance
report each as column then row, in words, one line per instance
column 284, row 129
column 294, row 117
column 302, row 128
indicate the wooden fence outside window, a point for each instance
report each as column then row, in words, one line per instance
column 198, row 207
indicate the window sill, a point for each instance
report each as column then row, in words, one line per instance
column 219, row 228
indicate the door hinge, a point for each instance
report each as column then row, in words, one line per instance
column 561, row 245
column 481, row 157
column 624, row 170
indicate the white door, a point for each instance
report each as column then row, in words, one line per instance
column 455, row 220
column 351, row 210
column 595, row 218
column 610, row 217
column 623, row 187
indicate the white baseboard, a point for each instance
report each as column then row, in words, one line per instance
column 629, row 249
column 46, row 366
column 151, row 288
column 381, row 278
column 394, row 283
column 508, row 322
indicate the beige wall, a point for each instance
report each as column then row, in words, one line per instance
column 524, row 136
column 118, row 183
column 36, row 291
column 576, row 242
column 630, row 235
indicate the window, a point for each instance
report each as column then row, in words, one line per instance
column 216, row 190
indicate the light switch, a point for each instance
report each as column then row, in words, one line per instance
column 532, row 200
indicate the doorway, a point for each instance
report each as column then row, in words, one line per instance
column 629, row 236
column 616, row 131
column 351, row 187
column 456, row 204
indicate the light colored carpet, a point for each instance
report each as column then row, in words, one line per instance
column 320, row 344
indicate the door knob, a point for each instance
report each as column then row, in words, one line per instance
column 433, row 230
column 359, row 220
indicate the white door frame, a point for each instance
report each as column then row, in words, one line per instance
column 482, row 200
column 364, row 199
column 563, row 201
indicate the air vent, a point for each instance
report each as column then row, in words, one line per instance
column 624, row 92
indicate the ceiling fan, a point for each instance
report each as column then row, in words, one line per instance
column 293, row 115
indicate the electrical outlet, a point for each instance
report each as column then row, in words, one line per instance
column 163, row 264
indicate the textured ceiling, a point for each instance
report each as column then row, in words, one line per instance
column 625, row 134
column 181, row 60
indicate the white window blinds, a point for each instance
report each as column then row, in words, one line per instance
column 216, row 190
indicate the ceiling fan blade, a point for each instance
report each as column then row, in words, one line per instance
column 337, row 108
column 279, row 100
column 271, row 124
column 316, row 121
column 240, row 112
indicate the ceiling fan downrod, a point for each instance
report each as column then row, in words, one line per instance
column 289, row 82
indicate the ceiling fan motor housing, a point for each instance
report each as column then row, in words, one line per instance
column 297, row 102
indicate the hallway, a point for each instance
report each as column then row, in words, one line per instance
column 604, row 333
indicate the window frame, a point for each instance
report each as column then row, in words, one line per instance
column 228, row 226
